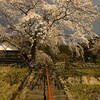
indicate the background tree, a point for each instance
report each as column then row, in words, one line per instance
column 3, row 34
column 95, row 50
column 44, row 23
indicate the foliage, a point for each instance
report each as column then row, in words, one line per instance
column 42, row 58
column 98, row 61
column 46, row 49
column 93, row 53
column 95, row 49
column 64, row 49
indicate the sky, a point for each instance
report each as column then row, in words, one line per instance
column 98, row 1
column 96, row 25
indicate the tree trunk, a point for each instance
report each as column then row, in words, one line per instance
column 33, row 49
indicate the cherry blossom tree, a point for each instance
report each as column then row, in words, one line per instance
column 44, row 23
column 95, row 49
column 3, row 34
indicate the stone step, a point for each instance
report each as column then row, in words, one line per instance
column 41, row 97
column 59, row 87
column 40, row 92
column 59, row 97
column 35, row 92
column 57, row 92
column 38, row 88
column 34, row 97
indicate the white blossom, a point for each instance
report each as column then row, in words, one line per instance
column 46, row 23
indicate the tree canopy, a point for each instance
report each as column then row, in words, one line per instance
column 44, row 23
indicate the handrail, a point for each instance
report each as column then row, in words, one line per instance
column 48, row 85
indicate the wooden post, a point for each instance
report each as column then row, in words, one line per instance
column 48, row 86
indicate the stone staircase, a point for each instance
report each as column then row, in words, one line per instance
column 36, row 90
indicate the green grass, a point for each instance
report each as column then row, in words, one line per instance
column 91, row 72
column 85, row 92
column 10, row 79
column 98, row 60
column 79, row 72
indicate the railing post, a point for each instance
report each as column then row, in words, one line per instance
column 44, row 73
column 48, row 86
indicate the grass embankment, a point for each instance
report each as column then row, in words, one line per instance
column 10, row 79
column 79, row 72
column 82, row 91
column 85, row 92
